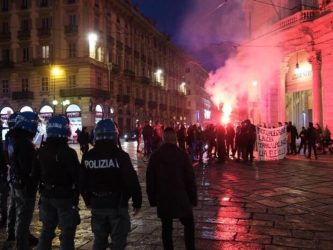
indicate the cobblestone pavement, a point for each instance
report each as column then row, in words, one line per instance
column 276, row 205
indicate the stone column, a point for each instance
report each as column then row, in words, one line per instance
column 315, row 60
column 282, row 92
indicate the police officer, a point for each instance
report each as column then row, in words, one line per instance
column 59, row 169
column 23, row 159
column 4, row 189
column 108, row 180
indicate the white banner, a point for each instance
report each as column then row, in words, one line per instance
column 271, row 143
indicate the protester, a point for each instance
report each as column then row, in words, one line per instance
column 249, row 140
column 147, row 134
column 171, row 188
column 238, row 142
column 108, row 180
column 138, row 132
column 312, row 137
column 181, row 136
column 230, row 138
column 293, row 136
column 23, row 160
column 220, row 139
column 157, row 135
column 303, row 136
column 59, row 170
column 84, row 139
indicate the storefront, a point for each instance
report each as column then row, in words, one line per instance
column 73, row 112
column 98, row 113
column 5, row 113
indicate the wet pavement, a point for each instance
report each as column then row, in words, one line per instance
column 266, row 205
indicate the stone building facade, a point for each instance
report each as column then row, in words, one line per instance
column 303, row 88
column 89, row 59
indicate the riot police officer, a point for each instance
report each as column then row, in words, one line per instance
column 23, row 160
column 59, row 171
column 108, row 180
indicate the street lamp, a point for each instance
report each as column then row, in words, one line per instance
column 55, row 72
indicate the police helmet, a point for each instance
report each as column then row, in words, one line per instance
column 106, row 130
column 58, row 127
column 27, row 121
column 12, row 120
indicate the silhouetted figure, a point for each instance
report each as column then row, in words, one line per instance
column 312, row 137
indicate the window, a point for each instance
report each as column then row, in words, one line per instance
column 4, row 5
column 45, row 51
column 72, row 49
column 26, row 56
column 25, row 25
column 5, row 55
column 45, row 84
column 5, row 27
column 25, row 85
column 72, row 19
column 45, row 23
column 5, row 86
column 72, row 81
column 24, row 4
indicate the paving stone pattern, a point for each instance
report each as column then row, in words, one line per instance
column 268, row 205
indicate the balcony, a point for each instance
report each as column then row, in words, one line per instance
column 129, row 73
column 297, row 18
column 23, row 34
column 115, row 68
column 139, row 102
column 22, row 95
column 84, row 92
column 152, row 105
column 41, row 61
column 71, row 29
column 163, row 107
column 44, row 32
column 124, row 99
column 6, row 64
column 145, row 80
column 5, row 36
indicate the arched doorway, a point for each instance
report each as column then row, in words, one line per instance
column 26, row 108
column 5, row 113
column 73, row 112
column 98, row 113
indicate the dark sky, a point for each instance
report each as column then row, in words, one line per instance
column 167, row 14
column 207, row 29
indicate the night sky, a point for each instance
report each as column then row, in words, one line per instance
column 207, row 29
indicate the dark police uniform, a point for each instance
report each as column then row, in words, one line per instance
column 59, row 169
column 108, row 180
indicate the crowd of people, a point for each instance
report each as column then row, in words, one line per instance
column 218, row 141
column 106, row 180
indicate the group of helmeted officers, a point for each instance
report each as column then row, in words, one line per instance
column 105, row 178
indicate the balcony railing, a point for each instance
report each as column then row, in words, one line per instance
column 84, row 92
column 152, row 105
column 71, row 29
column 299, row 17
column 44, row 32
column 139, row 102
column 6, row 64
column 23, row 34
column 41, row 61
column 5, row 36
column 124, row 99
column 22, row 95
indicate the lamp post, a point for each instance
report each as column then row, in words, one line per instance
column 55, row 72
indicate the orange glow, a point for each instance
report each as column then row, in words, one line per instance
column 226, row 112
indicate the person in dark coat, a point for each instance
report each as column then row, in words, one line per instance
column 220, row 139
column 250, row 139
column 230, row 138
column 312, row 138
column 147, row 134
column 59, row 189
column 294, row 136
column 303, row 136
column 172, row 189
column 238, row 143
column 181, row 136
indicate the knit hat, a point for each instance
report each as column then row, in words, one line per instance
column 27, row 121
column 106, row 130
column 58, row 127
